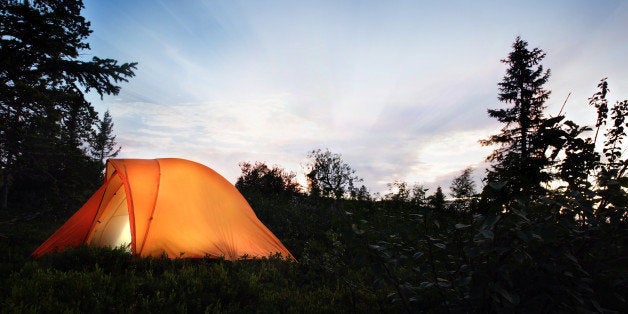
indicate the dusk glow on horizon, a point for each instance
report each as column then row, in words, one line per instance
column 399, row 88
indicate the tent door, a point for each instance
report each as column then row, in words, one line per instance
column 113, row 228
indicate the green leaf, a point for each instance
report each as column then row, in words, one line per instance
column 417, row 255
column 571, row 257
column 461, row 226
column 570, row 124
column 356, row 230
column 490, row 222
column 497, row 185
column 443, row 283
column 440, row 245
column 461, row 282
column 425, row 285
column 521, row 214
column 523, row 236
column 537, row 236
column 623, row 181
column 488, row 234
column 511, row 298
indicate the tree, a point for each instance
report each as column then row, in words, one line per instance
column 437, row 200
column 270, row 181
column 577, row 167
column 360, row 194
column 463, row 190
column 518, row 164
column 44, row 117
column 596, row 183
column 611, row 176
column 103, row 141
column 328, row 175
column 400, row 193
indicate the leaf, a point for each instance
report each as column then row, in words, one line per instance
column 511, row 298
column 461, row 282
column 440, row 245
column 425, row 285
column 490, row 222
column 523, row 236
column 497, row 185
column 461, row 226
column 356, row 230
column 443, row 283
column 612, row 182
column 417, row 255
column 537, row 237
column 521, row 214
column 571, row 257
column 472, row 251
column 488, row 234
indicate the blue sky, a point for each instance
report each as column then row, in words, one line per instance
column 399, row 88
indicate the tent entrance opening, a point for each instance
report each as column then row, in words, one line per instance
column 113, row 229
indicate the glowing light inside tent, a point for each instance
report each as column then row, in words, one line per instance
column 121, row 234
column 114, row 229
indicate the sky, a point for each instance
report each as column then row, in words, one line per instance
column 399, row 88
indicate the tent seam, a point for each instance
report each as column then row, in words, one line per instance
column 152, row 212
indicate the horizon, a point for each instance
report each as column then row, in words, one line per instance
column 400, row 89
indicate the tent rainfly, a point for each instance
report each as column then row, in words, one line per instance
column 167, row 206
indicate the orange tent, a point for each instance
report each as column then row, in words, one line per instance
column 172, row 206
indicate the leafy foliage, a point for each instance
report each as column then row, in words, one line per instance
column 328, row 175
column 463, row 191
column 46, row 123
column 260, row 178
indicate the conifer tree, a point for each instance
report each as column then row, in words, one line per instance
column 103, row 144
column 45, row 120
column 437, row 200
column 518, row 163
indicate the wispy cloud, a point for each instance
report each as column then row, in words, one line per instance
column 399, row 89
